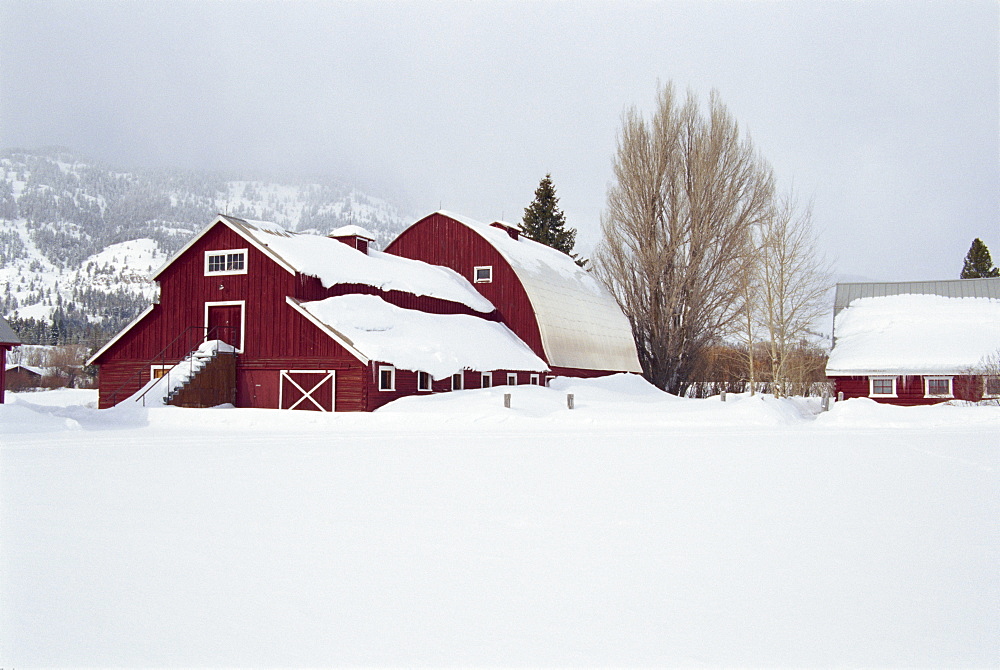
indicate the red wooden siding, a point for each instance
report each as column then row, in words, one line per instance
column 3, row 370
column 440, row 240
column 910, row 389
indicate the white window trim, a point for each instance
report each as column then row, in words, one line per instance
column 533, row 379
column 243, row 319
column 154, row 368
column 475, row 274
column 392, row 377
column 461, row 381
column 549, row 379
column 486, row 380
column 871, row 387
column 430, row 382
column 951, row 387
column 511, row 379
column 220, row 252
column 986, row 382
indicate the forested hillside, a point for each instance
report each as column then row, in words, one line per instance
column 78, row 239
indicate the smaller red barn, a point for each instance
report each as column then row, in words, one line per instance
column 8, row 340
column 917, row 343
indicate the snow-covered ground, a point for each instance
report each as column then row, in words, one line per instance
column 636, row 529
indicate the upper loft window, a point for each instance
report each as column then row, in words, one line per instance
column 938, row 387
column 883, row 386
column 226, row 262
column 483, row 274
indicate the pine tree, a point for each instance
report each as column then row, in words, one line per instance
column 544, row 222
column 978, row 263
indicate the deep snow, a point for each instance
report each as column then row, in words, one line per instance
column 636, row 529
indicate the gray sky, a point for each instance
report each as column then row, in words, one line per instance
column 884, row 114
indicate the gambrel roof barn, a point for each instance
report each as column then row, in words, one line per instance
column 256, row 315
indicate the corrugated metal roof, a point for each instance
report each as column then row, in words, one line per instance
column 949, row 288
column 7, row 335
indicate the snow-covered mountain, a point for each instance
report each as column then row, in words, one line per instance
column 78, row 239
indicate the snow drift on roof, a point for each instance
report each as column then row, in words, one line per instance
column 334, row 262
column 579, row 321
column 353, row 229
column 440, row 344
column 914, row 334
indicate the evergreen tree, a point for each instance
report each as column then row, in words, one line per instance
column 978, row 263
column 544, row 222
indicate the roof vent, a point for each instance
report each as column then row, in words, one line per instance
column 509, row 229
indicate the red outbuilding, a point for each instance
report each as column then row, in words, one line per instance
column 8, row 340
column 258, row 316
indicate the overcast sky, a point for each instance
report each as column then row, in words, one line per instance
column 884, row 114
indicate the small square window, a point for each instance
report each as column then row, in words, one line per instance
column 423, row 381
column 483, row 274
column 534, row 380
column 486, row 380
column 938, row 386
column 992, row 386
column 386, row 378
column 883, row 386
column 456, row 381
column 511, row 379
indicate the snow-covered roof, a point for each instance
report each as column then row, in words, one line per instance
column 439, row 344
column 951, row 288
column 334, row 262
column 30, row 368
column 352, row 229
column 914, row 334
column 580, row 322
column 7, row 334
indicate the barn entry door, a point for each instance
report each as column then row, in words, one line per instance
column 225, row 322
column 307, row 389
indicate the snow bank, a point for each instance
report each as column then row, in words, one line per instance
column 914, row 334
column 440, row 344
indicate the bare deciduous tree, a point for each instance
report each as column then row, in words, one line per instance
column 688, row 191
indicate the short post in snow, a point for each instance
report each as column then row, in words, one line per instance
column 723, row 396
column 840, row 396
column 826, row 400
column 569, row 400
column 506, row 400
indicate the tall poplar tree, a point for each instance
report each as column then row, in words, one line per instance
column 544, row 222
column 978, row 263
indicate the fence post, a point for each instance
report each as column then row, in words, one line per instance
column 723, row 396
column 506, row 400
column 569, row 400
column 840, row 396
column 826, row 400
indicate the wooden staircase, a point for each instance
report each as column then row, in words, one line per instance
column 211, row 380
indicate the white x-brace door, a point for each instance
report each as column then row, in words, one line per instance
column 298, row 381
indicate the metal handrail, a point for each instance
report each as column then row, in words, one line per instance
column 161, row 357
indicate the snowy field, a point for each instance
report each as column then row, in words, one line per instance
column 635, row 530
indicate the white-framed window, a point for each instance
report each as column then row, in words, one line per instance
column 511, row 379
column 226, row 262
column 157, row 371
column 882, row 387
column 991, row 386
column 482, row 274
column 938, row 387
column 533, row 379
column 423, row 381
column 456, row 381
column 386, row 378
column 548, row 380
column 486, row 380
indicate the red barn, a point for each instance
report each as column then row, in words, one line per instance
column 560, row 310
column 917, row 343
column 257, row 316
column 8, row 340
